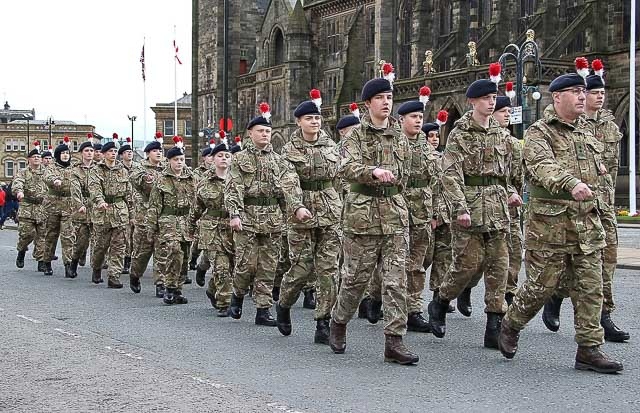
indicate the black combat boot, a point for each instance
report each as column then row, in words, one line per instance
column 83, row 260
column 41, row 266
column 508, row 340
column 127, row 265
column 592, row 358
column 68, row 272
column 223, row 312
column 134, row 284
column 54, row 258
column 20, row 259
column 160, row 290
column 309, row 299
column 275, row 293
column 322, row 332
column 200, row 276
column 283, row 320
column 396, row 352
column 179, row 298
column 47, row 268
column 437, row 310
column 492, row 331
column 193, row 262
column 212, row 298
column 74, row 268
column 264, row 318
column 96, row 276
column 337, row 337
column 362, row 308
column 235, row 308
column 114, row 283
column 463, row 302
column 508, row 297
column 611, row 331
column 374, row 310
column 416, row 322
column 169, row 296
column 187, row 280
column 551, row 313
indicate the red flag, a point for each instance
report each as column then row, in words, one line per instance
column 175, row 46
column 144, row 77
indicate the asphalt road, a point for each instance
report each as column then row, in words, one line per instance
column 68, row 345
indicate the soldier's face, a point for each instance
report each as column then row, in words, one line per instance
column 208, row 161
column 97, row 156
column 434, row 139
column 260, row 136
column 570, row 103
column 46, row 161
column 65, row 156
column 177, row 163
column 127, row 155
column 155, row 155
column 87, row 154
column 222, row 160
column 484, row 105
column 35, row 161
column 502, row 116
column 310, row 124
column 595, row 99
column 380, row 105
column 412, row 123
column 111, row 155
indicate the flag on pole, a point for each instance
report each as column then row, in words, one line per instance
column 144, row 77
column 175, row 46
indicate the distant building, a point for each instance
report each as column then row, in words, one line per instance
column 164, row 113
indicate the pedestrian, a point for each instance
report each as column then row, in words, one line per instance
column 170, row 202
column 314, row 241
column 376, row 220
column 564, row 237
column 3, row 201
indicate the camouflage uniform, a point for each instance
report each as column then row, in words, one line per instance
column 314, row 245
column 109, row 185
column 134, row 200
column 440, row 257
column 255, row 189
column 145, row 243
column 475, row 167
column 563, row 238
column 58, row 207
column 170, row 202
column 80, row 197
column 31, row 214
column 375, row 223
column 198, row 174
column 214, row 235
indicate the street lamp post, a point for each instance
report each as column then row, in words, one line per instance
column 206, row 134
column 28, row 117
column 132, row 118
column 50, row 122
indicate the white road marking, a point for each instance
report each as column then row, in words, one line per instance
column 282, row 408
column 124, row 353
column 33, row 320
column 210, row 383
column 67, row 333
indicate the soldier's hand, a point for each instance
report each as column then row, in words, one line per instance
column 19, row 196
column 103, row 206
column 82, row 209
column 236, row 224
column 383, row 175
column 434, row 223
column 464, row 220
column 303, row 214
column 603, row 169
column 148, row 178
column 581, row 192
column 57, row 182
column 514, row 200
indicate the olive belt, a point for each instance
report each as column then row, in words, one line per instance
column 477, row 180
column 261, row 201
column 179, row 212
column 376, row 191
column 316, row 185
column 418, row 183
column 62, row 194
column 540, row 192
column 217, row 213
column 113, row 199
column 30, row 200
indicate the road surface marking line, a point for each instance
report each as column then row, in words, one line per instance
column 282, row 408
column 124, row 353
column 33, row 320
column 209, row 383
column 67, row 333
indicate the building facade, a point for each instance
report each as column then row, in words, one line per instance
column 165, row 123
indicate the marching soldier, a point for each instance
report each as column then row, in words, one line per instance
column 206, row 163
column 564, row 237
column 314, row 241
column 47, row 157
column 29, row 189
column 125, row 152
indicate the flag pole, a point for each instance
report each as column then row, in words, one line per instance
column 144, row 94
column 632, row 111
column 175, row 84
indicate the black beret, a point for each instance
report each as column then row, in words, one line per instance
column 258, row 120
column 566, row 81
column 375, row 86
column 59, row 149
column 410, row 107
column 85, row 144
column 123, row 148
column 175, row 151
column 594, row 82
column 221, row 147
column 306, row 108
column 46, row 154
column 108, row 146
column 481, row 87
column 97, row 146
column 502, row 102
column 347, row 121
column 34, row 152
column 152, row 145
column 205, row 152
column 428, row 127
column 235, row 149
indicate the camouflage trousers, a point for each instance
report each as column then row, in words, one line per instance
column 175, row 257
column 362, row 255
column 59, row 225
column 440, row 259
column 145, row 243
column 222, row 257
column 83, row 238
column 284, row 264
column 581, row 273
column 129, row 240
column 31, row 231
column 256, row 259
column 314, row 258
column 110, row 245
column 478, row 253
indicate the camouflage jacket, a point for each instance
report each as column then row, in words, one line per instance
column 80, row 196
column 142, row 179
column 110, row 185
column 208, row 213
column 199, row 172
column 474, row 153
column 317, row 165
column 517, row 175
column 261, row 176
column 58, row 199
column 441, row 204
column 557, row 156
column 607, row 132
column 170, row 204
column 366, row 149
column 31, row 184
column 423, row 166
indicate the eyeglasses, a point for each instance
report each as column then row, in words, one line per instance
column 575, row 91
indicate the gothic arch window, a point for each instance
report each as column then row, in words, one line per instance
column 405, row 34
column 445, row 19
column 484, row 13
column 527, row 7
column 277, row 45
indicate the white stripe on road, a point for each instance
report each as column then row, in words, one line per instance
column 67, row 333
column 282, row 408
column 124, row 353
column 33, row 320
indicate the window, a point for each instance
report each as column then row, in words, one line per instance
column 8, row 145
column 168, row 128
column 23, row 146
column 187, row 127
column 406, row 35
column 527, row 7
column 446, row 19
column 9, row 168
column 371, row 28
column 207, row 66
column 278, row 47
column 22, row 164
column 209, row 111
column 331, row 80
column 334, row 37
column 75, row 146
column 484, row 13
column 15, row 145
